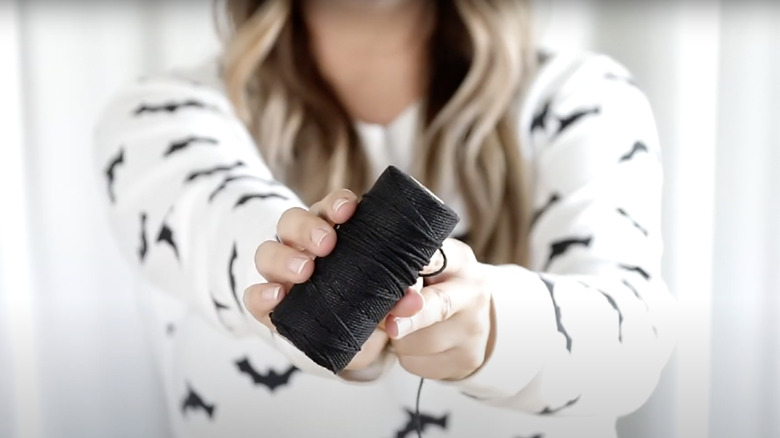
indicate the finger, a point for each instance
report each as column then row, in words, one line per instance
column 278, row 263
column 431, row 340
column 460, row 260
column 442, row 302
column 337, row 207
column 261, row 299
column 411, row 303
column 370, row 352
column 304, row 230
column 449, row 365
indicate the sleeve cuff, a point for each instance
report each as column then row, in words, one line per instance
column 525, row 329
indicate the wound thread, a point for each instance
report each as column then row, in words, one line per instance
column 396, row 229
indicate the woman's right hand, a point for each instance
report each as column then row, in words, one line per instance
column 304, row 235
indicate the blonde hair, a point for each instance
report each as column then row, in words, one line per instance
column 480, row 56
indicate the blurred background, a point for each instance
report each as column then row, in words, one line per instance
column 74, row 358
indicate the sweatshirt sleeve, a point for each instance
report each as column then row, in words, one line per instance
column 190, row 198
column 587, row 328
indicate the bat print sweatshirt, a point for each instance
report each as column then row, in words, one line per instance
column 582, row 333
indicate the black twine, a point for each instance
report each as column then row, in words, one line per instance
column 397, row 227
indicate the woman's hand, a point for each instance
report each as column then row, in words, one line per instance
column 304, row 235
column 451, row 337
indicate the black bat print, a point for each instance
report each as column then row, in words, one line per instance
column 423, row 420
column 231, row 179
column 561, row 329
column 208, row 172
column 639, row 297
column 219, row 308
column 172, row 107
column 636, row 225
column 472, row 396
column 614, row 305
column 566, row 122
column 542, row 57
column 550, row 411
column 144, row 246
column 166, row 235
column 219, row 305
column 636, row 269
column 246, row 198
column 184, row 143
column 627, row 80
column 635, row 149
column 271, row 379
column 560, row 247
column 636, row 293
column 540, row 119
column 193, row 402
column 231, row 276
column 111, row 172
column 554, row 198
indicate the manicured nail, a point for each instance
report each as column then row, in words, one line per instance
column 271, row 294
column 318, row 235
column 404, row 325
column 296, row 264
column 339, row 203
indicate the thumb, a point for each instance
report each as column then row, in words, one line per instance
column 261, row 299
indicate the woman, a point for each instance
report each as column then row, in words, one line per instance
column 550, row 319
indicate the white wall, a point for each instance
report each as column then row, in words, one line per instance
column 746, row 294
column 17, row 361
column 90, row 363
column 73, row 357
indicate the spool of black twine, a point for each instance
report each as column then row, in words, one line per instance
column 380, row 251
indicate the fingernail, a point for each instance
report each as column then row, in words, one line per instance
column 339, row 203
column 404, row 325
column 271, row 294
column 318, row 235
column 296, row 264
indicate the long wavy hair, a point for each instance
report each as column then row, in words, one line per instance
column 480, row 55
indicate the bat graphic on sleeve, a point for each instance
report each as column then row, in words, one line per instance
column 194, row 402
column 550, row 411
column 246, row 198
column 614, row 306
column 566, row 122
column 231, row 179
column 232, row 276
column 554, row 198
column 171, row 107
column 633, row 222
column 627, row 80
column 271, row 379
column 144, row 247
column 187, row 142
column 111, row 172
column 214, row 170
column 166, row 236
column 424, row 421
column 637, row 148
column 561, row 329
column 636, row 269
column 540, row 119
column 560, row 248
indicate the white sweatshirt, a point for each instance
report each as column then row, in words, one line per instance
column 582, row 333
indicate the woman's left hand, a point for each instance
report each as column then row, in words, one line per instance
column 451, row 337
